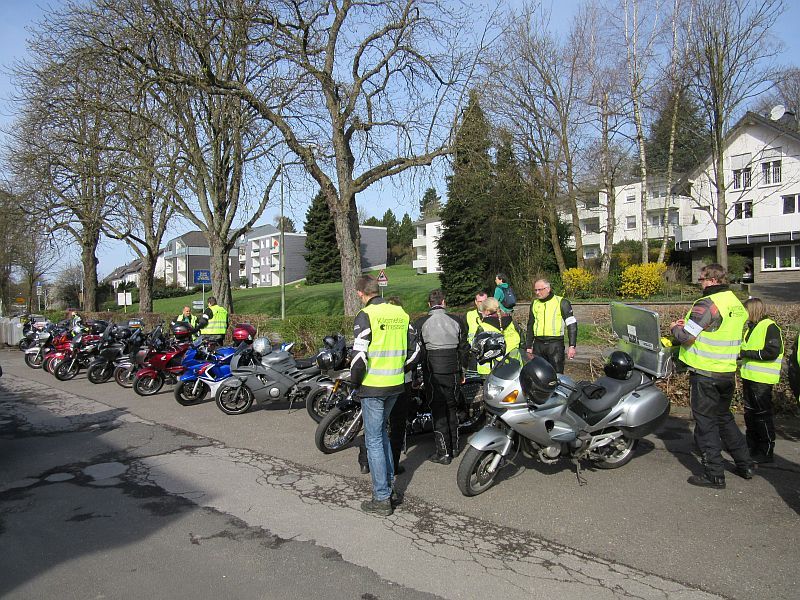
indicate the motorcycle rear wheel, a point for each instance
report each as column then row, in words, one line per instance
column 473, row 477
column 147, row 385
column 100, row 373
column 51, row 364
column 337, row 429
column 34, row 361
column 317, row 403
column 234, row 400
column 67, row 370
column 186, row 396
column 124, row 376
column 616, row 454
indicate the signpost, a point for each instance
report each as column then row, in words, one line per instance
column 203, row 277
column 124, row 299
column 197, row 305
column 383, row 281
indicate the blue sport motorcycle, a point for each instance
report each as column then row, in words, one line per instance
column 203, row 373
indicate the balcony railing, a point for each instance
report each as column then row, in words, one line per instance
column 419, row 242
column 420, row 264
column 739, row 227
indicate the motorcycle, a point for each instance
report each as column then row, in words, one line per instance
column 115, row 343
column 36, row 352
column 30, row 330
column 81, row 351
column 200, row 377
column 140, row 349
column 333, row 360
column 343, row 420
column 163, row 367
column 533, row 410
column 259, row 374
column 54, row 353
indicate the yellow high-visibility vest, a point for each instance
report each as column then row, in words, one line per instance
column 761, row 371
column 548, row 320
column 717, row 351
column 386, row 355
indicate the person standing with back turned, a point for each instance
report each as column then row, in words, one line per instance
column 762, row 357
column 710, row 337
column 380, row 347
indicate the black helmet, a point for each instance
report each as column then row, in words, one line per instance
column 329, row 341
column 326, row 360
column 488, row 345
column 618, row 365
column 538, row 380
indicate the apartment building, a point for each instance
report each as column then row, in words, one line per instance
column 593, row 210
column 259, row 254
column 426, row 253
column 762, row 173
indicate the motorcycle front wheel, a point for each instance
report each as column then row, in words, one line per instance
column 234, row 400
column 67, row 370
column 34, row 361
column 188, row 393
column 100, row 373
column 473, row 477
column 124, row 376
column 317, row 403
column 617, row 454
column 337, row 429
column 147, row 385
column 51, row 364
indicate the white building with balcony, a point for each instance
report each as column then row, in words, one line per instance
column 593, row 210
column 426, row 254
column 762, row 174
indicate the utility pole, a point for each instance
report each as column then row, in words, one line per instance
column 281, row 263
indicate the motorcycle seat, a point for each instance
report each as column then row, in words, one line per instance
column 612, row 390
column 304, row 363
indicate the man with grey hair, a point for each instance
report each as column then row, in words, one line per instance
column 550, row 314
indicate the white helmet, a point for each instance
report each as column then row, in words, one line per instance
column 262, row 345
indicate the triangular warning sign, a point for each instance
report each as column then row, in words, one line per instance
column 382, row 278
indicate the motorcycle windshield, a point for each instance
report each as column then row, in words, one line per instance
column 510, row 366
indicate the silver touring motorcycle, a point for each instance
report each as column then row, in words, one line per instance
column 533, row 410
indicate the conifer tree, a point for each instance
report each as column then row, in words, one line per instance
column 692, row 139
column 323, row 259
column 430, row 205
column 462, row 254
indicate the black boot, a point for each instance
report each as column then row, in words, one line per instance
column 708, row 481
column 363, row 462
column 443, row 454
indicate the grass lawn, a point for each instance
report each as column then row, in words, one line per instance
column 323, row 299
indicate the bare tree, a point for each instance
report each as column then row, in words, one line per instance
column 538, row 85
column 38, row 256
column 12, row 233
column 359, row 90
column 61, row 151
column 731, row 58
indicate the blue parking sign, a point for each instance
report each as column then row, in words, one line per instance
column 202, row 276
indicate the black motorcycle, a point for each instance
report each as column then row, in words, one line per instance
column 115, row 343
column 140, row 347
column 343, row 420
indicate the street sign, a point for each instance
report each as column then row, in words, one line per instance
column 383, row 280
column 202, row 276
column 124, row 299
column 39, row 288
column 197, row 305
column 19, row 300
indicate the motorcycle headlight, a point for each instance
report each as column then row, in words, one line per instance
column 493, row 391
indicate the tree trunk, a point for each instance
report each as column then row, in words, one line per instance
column 146, row 276
column 662, row 253
column 721, row 217
column 89, row 261
column 552, row 226
column 220, row 274
column 348, row 235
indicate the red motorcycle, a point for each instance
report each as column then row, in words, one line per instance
column 56, row 352
column 80, row 352
column 158, row 368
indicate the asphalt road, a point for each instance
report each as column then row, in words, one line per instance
column 163, row 499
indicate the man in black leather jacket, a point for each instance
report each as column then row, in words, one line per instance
column 444, row 342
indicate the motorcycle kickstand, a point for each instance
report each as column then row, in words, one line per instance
column 578, row 470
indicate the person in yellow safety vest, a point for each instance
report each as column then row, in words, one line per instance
column 382, row 338
column 187, row 317
column 494, row 320
column 473, row 316
column 216, row 318
column 762, row 356
column 549, row 316
column 711, row 337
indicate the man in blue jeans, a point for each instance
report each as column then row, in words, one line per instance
column 382, row 340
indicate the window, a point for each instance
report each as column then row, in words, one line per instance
column 630, row 222
column 780, row 257
column 673, row 217
column 791, row 204
column 743, row 210
column 656, row 220
column 741, row 179
column 591, row 203
column 591, row 225
column 630, row 198
column 591, row 251
column 771, row 172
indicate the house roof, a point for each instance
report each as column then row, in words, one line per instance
column 784, row 126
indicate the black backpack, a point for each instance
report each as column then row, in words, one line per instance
column 509, row 298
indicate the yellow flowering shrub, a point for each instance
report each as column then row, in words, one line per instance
column 577, row 282
column 642, row 281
